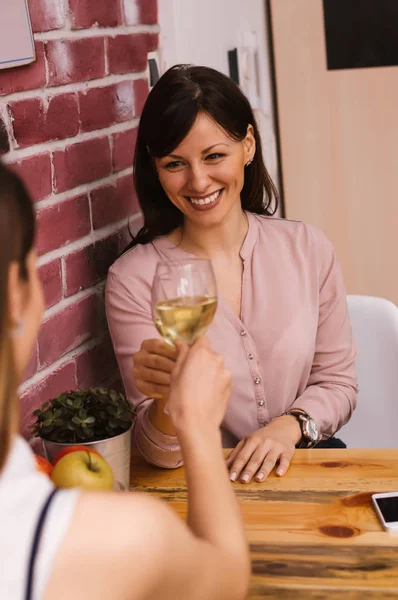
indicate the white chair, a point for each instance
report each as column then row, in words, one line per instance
column 374, row 423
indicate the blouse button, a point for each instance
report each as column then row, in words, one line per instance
column 250, row 356
column 257, row 380
column 243, row 332
column 261, row 403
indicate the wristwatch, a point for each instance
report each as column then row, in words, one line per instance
column 309, row 428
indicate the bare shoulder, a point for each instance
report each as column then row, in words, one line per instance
column 113, row 548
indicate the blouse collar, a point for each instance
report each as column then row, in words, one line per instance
column 173, row 252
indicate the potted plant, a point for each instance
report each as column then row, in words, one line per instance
column 97, row 417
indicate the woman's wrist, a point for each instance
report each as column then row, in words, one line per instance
column 291, row 425
column 159, row 418
column 200, row 447
column 191, row 437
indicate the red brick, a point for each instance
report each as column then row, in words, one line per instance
column 82, row 163
column 62, row 223
column 32, row 366
column 96, row 365
column 141, row 12
column 28, row 121
column 36, row 174
column 59, row 381
column 86, row 13
column 112, row 203
column 34, row 123
column 29, row 77
column 101, row 107
column 71, row 61
column 152, row 42
column 90, row 264
column 51, row 278
column 46, row 15
column 141, row 91
column 4, row 139
column 62, row 116
column 67, row 330
column 123, row 149
column 127, row 53
column 148, row 11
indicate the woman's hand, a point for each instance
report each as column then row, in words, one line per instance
column 153, row 364
column 257, row 454
column 200, row 389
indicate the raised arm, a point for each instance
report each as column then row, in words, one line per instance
column 130, row 325
column 132, row 547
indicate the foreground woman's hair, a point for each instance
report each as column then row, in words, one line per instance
column 17, row 226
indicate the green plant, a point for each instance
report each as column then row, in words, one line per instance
column 83, row 416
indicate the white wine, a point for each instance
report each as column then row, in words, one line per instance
column 163, row 331
column 186, row 318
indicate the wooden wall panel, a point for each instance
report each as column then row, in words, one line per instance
column 339, row 148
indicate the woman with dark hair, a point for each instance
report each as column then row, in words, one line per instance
column 69, row 544
column 282, row 323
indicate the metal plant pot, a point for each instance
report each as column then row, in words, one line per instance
column 116, row 451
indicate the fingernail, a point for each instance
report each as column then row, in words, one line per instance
column 280, row 472
column 245, row 478
column 233, row 476
column 260, row 477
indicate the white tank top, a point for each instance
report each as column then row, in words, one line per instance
column 23, row 493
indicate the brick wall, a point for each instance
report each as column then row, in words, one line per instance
column 68, row 125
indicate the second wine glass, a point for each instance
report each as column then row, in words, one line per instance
column 184, row 299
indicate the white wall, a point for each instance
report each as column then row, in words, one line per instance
column 202, row 31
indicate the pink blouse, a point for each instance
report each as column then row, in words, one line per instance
column 292, row 346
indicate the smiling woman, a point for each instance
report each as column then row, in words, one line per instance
column 198, row 180
column 281, row 324
column 186, row 103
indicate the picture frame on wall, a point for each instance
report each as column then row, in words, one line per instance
column 16, row 37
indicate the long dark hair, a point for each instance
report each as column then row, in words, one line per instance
column 17, row 231
column 168, row 115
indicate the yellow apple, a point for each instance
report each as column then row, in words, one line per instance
column 83, row 469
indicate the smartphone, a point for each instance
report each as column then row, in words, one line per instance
column 386, row 506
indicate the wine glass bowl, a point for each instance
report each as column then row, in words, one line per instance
column 184, row 299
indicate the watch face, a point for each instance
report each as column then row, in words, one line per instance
column 311, row 430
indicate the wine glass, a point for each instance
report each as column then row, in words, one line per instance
column 184, row 299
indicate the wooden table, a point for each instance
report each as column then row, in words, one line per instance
column 313, row 534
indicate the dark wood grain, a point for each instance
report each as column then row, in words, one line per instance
column 313, row 534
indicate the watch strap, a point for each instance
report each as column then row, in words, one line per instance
column 301, row 416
